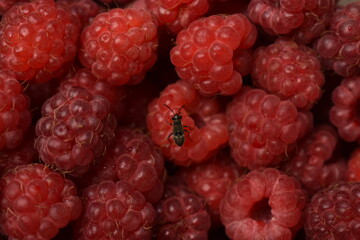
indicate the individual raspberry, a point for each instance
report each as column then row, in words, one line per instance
column 74, row 130
column 339, row 47
column 264, row 203
column 36, row 202
column 23, row 154
column 303, row 20
column 14, row 111
column 120, row 45
column 203, row 55
column 133, row 158
column 38, row 40
column 211, row 180
column 353, row 170
column 310, row 162
column 333, row 213
column 205, row 124
column 290, row 71
column 177, row 14
column 344, row 114
column 181, row 214
column 263, row 129
column 114, row 211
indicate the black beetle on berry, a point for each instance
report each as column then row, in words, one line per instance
column 178, row 128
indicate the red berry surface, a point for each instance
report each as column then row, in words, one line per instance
column 6, row 5
column 203, row 55
column 344, row 113
column 263, row 129
column 114, row 210
column 181, row 214
column 119, row 46
column 265, row 204
column 290, row 71
column 333, row 213
column 75, row 129
column 353, row 171
column 36, row 202
column 38, row 40
column 134, row 158
column 14, row 111
column 205, row 124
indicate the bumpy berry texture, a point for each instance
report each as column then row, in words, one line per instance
column 6, row 5
column 36, row 202
column 211, row 180
column 205, row 124
column 338, row 47
column 303, row 20
column 203, row 55
column 14, row 111
column 175, row 14
column 344, row 114
column 75, row 130
column 114, row 210
column 133, row 158
column 265, row 204
column 38, row 40
column 290, row 71
column 119, row 46
column 353, row 170
column 263, row 129
column 181, row 214
column 333, row 213
column 309, row 162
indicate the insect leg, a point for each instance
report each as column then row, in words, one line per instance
column 188, row 133
column 168, row 138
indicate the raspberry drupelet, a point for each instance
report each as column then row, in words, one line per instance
column 36, row 202
column 344, row 114
column 264, row 203
column 203, row 55
column 75, row 130
column 264, row 129
column 339, row 47
column 177, row 14
column 309, row 162
column 114, row 210
column 333, row 213
column 353, row 170
column 290, row 71
column 119, row 46
column 202, row 118
column 132, row 157
column 38, row 40
column 302, row 20
column 181, row 214
column 14, row 111
column 6, row 5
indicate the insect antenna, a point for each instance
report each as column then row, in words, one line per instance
column 169, row 108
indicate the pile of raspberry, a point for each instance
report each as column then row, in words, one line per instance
column 179, row 119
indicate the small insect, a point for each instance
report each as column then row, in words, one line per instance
column 178, row 128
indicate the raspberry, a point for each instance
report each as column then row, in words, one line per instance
column 310, row 162
column 264, row 203
column 134, row 158
column 14, row 111
column 36, row 202
column 38, row 40
column 206, row 125
column 333, row 213
column 263, row 129
column 353, row 171
column 114, row 211
column 290, row 71
column 344, row 113
column 203, row 55
column 339, row 47
column 181, row 214
column 243, row 61
column 74, row 130
column 120, row 45
column 177, row 14
column 6, row 5
column 211, row 180
column 23, row 154
column 303, row 20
